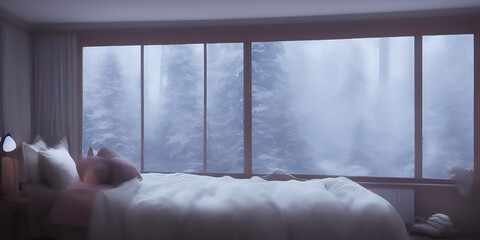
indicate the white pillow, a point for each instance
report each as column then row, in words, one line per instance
column 57, row 168
column 30, row 158
column 63, row 143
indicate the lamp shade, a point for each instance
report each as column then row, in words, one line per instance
column 8, row 144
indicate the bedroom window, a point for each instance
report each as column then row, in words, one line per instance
column 193, row 105
column 447, row 104
column 334, row 107
column 319, row 107
column 111, row 100
column 175, row 110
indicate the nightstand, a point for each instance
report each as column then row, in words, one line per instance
column 14, row 218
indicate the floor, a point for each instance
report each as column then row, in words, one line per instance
column 423, row 237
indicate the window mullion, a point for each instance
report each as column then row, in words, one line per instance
column 205, row 107
column 418, row 107
column 142, row 107
column 247, row 108
column 476, row 109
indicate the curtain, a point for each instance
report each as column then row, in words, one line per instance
column 57, row 90
column 16, row 85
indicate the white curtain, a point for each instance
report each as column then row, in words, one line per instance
column 15, row 85
column 57, row 90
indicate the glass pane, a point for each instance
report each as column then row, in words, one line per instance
column 225, row 107
column 447, row 104
column 173, row 108
column 337, row 107
column 111, row 100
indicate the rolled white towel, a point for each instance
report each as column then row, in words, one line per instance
column 441, row 216
column 437, row 225
column 425, row 229
column 440, row 222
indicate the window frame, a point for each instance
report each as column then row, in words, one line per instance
column 308, row 29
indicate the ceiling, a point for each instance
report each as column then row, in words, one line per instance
column 108, row 11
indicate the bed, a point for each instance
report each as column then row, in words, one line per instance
column 187, row 206
column 103, row 196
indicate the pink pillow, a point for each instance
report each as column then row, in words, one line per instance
column 107, row 153
column 122, row 169
column 95, row 170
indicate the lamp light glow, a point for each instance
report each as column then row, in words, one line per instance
column 8, row 144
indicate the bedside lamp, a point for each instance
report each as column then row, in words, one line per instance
column 8, row 167
column 8, row 144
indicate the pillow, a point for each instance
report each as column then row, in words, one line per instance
column 57, row 168
column 82, row 163
column 122, row 169
column 107, row 153
column 63, row 143
column 90, row 152
column 94, row 170
column 30, row 157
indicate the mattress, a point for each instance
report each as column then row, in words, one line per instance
column 186, row 206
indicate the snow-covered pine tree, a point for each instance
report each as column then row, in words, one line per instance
column 107, row 118
column 277, row 144
column 179, row 132
column 355, row 95
column 225, row 108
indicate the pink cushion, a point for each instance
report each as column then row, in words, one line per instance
column 95, row 170
column 122, row 169
column 107, row 153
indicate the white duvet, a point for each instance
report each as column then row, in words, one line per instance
column 185, row 206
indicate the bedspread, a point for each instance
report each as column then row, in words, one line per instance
column 186, row 206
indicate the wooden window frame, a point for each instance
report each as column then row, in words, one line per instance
column 308, row 30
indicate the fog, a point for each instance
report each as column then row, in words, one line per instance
column 350, row 103
column 447, row 104
column 336, row 107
